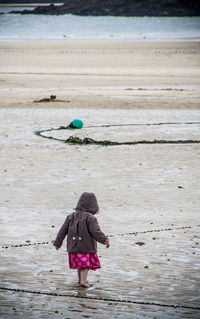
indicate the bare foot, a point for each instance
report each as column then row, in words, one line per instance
column 84, row 285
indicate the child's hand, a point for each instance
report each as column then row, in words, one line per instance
column 107, row 243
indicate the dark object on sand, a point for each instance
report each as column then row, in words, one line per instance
column 87, row 140
column 140, row 243
column 76, row 123
column 52, row 98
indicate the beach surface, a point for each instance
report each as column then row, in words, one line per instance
column 148, row 193
column 101, row 75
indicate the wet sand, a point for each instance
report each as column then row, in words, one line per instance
column 148, row 194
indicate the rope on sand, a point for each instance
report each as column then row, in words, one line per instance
column 110, row 235
column 27, row 245
column 151, row 231
column 102, row 52
column 55, row 294
column 90, row 141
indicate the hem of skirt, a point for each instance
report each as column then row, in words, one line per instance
column 90, row 268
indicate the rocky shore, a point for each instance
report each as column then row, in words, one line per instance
column 121, row 8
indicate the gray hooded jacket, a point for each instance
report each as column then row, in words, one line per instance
column 81, row 227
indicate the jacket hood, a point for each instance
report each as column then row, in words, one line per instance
column 87, row 202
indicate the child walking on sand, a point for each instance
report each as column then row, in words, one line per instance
column 83, row 232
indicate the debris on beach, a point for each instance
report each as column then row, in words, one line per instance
column 77, row 124
column 87, row 140
column 52, row 98
column 140, row 243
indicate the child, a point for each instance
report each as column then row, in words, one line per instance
column 83, row 233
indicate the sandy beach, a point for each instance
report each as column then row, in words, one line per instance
column 148, row 193
column 101, row 75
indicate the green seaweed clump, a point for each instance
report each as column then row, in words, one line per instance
column 74, row 140
column 88, row 141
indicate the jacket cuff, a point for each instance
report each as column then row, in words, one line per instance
column 54, row 244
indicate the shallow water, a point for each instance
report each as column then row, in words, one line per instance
column 69, row 27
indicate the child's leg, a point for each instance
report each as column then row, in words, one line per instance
column 83, row 277
column 79, row 275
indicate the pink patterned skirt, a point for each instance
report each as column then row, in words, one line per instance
column 80, row 261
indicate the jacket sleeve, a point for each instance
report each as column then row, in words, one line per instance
column 61, row 234
column 95, row 230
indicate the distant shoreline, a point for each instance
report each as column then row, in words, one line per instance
column 29, row 4
column 130, row 8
